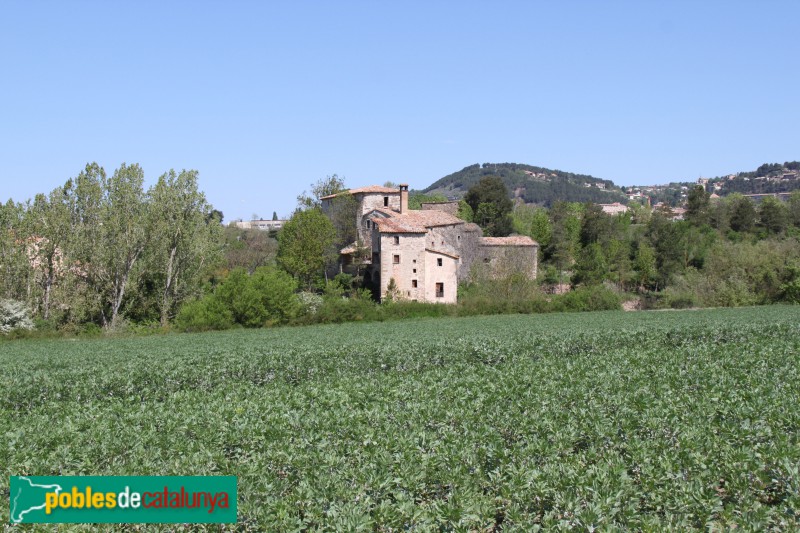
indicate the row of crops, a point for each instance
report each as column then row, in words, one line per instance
column 682, row 420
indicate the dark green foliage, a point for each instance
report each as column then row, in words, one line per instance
column 590, row 298
column 539, row 185
column 697, row 209
column 307, row 245
column 205, row 314
column 266, row 297
column 491, row 206
column 742, row 214
column 773, row 216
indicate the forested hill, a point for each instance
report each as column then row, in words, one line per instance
column 531, row 184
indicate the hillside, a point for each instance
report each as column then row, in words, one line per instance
column 769, row 178
column 531, row 184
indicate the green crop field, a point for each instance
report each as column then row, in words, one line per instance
column 644, row 421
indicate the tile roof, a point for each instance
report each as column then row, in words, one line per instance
column 516, row 240
column 414, row 221
column 376, row 189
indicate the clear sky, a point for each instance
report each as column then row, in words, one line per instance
column 264, row 98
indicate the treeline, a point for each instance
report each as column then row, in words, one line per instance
column 727, row 252
column 101, row 250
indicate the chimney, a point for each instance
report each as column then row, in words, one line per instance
column 403, row 197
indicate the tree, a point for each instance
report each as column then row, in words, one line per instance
column 742, row 214
column 343, row 213
column 327, row 186
column 50, row 230
column 124, row 237
column 698, row 206
column 274, row 215
column 794, row 209
column 596, row 226
column 591, row 267
column 184, row 239
column 15, row 268
column 491, row 206
column 645, row 265
column 773, row 216
column 306, row 245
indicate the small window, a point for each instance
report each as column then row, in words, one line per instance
column 440, row 290
column 385, row 201
column 396, row 259
column 396, row 239
column 439, row 261
column 414, row 261
column 415, row 271
column 413, row 284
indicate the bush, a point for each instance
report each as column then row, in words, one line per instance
column 14, row 316
column 208, row 313
column 591, row 298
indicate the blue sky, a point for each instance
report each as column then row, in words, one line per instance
column 264, row 98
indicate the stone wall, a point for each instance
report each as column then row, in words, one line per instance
column 447, row 207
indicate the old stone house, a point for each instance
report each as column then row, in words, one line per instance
column 423, row 254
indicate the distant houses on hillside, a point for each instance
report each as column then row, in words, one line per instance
column 264, row 225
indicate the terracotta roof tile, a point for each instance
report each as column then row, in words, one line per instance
column 414, row 221
column 516, row 240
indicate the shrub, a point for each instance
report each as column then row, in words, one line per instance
column 591, row 298
column 14, row 316
column 208, row 313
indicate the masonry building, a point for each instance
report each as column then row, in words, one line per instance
column 422, row 255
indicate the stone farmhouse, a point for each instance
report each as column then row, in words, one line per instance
column 422, row 255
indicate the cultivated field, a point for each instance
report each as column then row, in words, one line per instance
column 610, row 420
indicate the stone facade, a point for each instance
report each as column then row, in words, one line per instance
column 423, row 254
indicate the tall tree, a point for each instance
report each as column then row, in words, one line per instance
column 698, row 206
column 491, row 206
column 125, row 222
column 184, row 239
column 773, row 216
column 15, row 268
column 742, row 213
column 50, row 231
column 306, row 245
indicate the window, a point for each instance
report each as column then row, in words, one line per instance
column 396, row 239
column 413, row 284
column 415, row 271
column 366, row 223
column 385, row 201
column 440, row 290
column 439, row 261
column 414, row 261
column 396, row 259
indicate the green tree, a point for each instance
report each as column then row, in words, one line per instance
column 596, row 226
column 491, row 206
column 274, row 215
column 773, row 216
column 698, row 206
column 793, row 207
column 644, row 265
column 591, row 268
column 50, row 231
column 15, row 271
column 184, row 240
column 306, row 245
column 327, row 186
column 742, row 213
